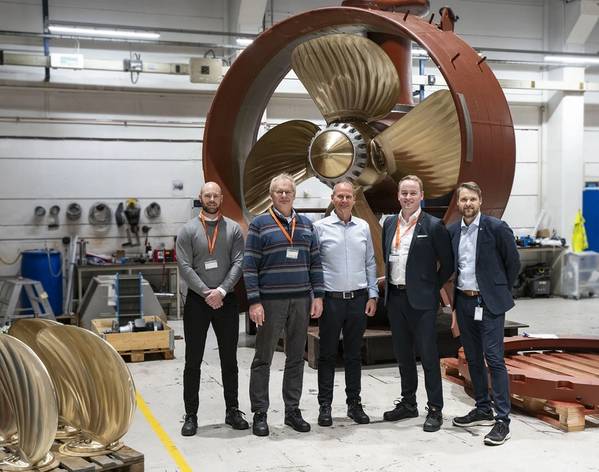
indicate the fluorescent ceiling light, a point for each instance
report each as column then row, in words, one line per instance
column 579, row 60
column 417, row 52
column 244, row 41
column 108, row 33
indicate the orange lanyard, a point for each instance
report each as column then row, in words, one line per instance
column 211, row 242
column 397, row 240
column 282, row 228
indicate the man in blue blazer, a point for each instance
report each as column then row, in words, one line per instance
column 418, row 261
column 487, row 264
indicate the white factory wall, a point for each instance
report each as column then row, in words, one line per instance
column 58, row 147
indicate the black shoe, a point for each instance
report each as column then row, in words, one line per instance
column 235, row 419
column 190, row 426
column 295, row 420
column 259, row 425
column 401, row 411
column 356, row 413
column 434, row 420
column 499, row 434
column 475, row 418
column 324, row 415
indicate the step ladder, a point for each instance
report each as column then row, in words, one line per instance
column 10, row 292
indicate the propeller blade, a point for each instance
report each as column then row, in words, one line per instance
column 426, row 142
column 349, row 77
column 282, row 149
column 362, row 210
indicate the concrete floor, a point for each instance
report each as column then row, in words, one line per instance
column 380, row 446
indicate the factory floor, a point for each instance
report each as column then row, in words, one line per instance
column 346, row 446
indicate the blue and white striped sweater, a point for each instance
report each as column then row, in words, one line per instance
column 268, row 273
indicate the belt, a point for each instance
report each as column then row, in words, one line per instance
column 470, row 293
column 347, row 295
column 397, row 287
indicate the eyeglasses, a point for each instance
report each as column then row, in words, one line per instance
column 280, row 193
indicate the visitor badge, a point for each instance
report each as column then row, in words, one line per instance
column 292, row 253
column 478, row 313
column 211, row 264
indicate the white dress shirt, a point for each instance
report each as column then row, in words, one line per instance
column 398, row 257
column 347, row 255
column 467, row 255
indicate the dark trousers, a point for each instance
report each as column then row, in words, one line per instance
column 415, row 329
column 291, row 316
column 338, row 316
column 483, row 340
column 197, row 316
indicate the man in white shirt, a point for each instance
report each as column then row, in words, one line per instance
column 349, row 269
column 418, row 261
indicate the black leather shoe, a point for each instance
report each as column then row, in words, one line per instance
column 499, row 434
column 356, row 413
column 259, row 425
column 235, row 419
column 475, row 417
column 324, row 415
column 434, row 420
column 401, row 411
column 190, row 427
column 295, row 420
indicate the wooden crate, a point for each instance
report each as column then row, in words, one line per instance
column 137, row 345
column 123, row 460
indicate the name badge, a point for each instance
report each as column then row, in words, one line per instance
column 209, row 265
column 292, row 253
column 478, row 313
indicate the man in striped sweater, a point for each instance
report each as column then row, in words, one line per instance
column 284, row 283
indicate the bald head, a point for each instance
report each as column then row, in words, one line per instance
column 212, row 197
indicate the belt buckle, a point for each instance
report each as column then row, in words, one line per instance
column 347, row 295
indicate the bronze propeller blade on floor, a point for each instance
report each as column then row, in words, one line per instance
column 425, row 142
column 282, row 149
column 349, row 77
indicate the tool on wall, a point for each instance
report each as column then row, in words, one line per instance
column 100, row 215
column 148, row 248
column 118, row 215
column 54, row 211
column 73, row 211
column 132, row 214
column 153, row 210
column 39, row 211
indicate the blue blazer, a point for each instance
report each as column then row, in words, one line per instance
column 497, row 261
column 430, row 260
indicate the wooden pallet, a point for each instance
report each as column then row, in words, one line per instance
column 142, row 355
column 123, row 460
column 567, row 416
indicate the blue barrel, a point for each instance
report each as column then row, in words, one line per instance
column 45, row 266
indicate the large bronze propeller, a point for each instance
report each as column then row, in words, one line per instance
column 354, row 83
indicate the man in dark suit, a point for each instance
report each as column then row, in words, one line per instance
column 487, row 264
column 418, row 261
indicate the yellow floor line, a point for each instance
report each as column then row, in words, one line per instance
column 162, row 435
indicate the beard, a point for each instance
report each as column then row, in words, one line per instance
column 212, row 211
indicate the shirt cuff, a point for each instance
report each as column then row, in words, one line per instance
column 222, row 291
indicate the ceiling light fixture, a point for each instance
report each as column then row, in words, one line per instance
column 575, row 60
column 103, row 32
column 244, row 41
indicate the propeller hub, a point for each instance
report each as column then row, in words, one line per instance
column 338, row 152
column 331, row 154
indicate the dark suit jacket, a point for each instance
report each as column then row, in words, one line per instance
column 497, row 262
column 430, row 260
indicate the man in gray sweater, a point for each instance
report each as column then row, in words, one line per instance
column 209, row 255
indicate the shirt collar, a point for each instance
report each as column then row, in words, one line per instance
column 412, row 218
column 281, row 215
column 335, row 219
column 474, row 224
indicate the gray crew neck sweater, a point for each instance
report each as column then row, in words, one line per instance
column 192, row 254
